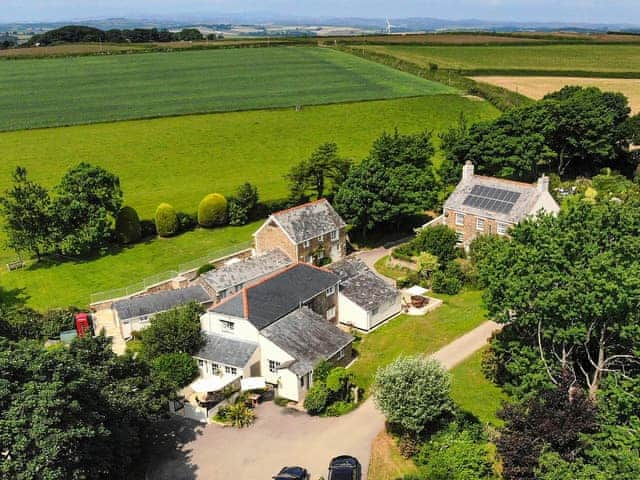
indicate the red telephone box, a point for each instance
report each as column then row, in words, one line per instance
column 82, row 324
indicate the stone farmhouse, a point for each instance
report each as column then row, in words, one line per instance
column 278, row 328
column 487, row 205
column 306, row 233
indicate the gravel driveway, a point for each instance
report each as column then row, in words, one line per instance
column 286, row 437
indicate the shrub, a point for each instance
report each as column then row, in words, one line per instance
column 443, row 283
column 186, row 221
column 134, row 347
column 427, row 264
column 128, row 228
column 148, row 228
column 239, row 415
column 409, row 280
column 242, row 206
column 207, row 267
column 404, row 252
column 413, row 392
column 166, row 220
column 338, row 383
column 212, row 210
column 178, row 368
column 339, row 408
column 317, row 397
column 57, row 320
column 454, row 455
column 321, row 371
column 469, row 272
column 173, row 331
column 439, row 240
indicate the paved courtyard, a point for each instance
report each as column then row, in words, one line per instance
column 285, row 437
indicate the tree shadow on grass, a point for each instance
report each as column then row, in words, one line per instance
column 169, row 459
column 15, row 297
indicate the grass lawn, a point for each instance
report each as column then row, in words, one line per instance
column 474, row 393
column 71, row 283
column 181, row 159
column 406, row 335
column 586, row 58
column 75, row 90
column 386, row 461
column 389, row 271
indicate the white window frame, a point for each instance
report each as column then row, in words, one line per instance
column 330, row 291
column 306, row 244
column 480, row 223
column 227, row 326
column 340, row 355
column 459, row 237
column 460, row 219
column 230, row 370
column 331, row 313
column 502, row 229
column 335, row 235
column 201, row 364
column 273, row 366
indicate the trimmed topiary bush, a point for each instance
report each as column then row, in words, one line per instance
column 128, row 228
column 212, row 210
column 166, row 220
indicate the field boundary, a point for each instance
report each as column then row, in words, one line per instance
column 494, row 72
column 500, row 98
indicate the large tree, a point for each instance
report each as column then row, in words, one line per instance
column 569, row 288
column 26, row 209
column 322, row 169
column 75, row 413
column 573, row 131
column 394, row 182
column 88, row 199
column 174, row 331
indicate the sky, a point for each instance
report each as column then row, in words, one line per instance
column 589, row 11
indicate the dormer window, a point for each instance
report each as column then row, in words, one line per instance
column 335, row 235
column 227, row 326
column 306, row 243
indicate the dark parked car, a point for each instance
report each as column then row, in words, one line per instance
column 345, row 467
column 292, row 473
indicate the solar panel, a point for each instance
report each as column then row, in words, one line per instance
column 491, row 199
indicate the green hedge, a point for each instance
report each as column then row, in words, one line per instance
column 128, row 228
column 167, row 223
column 212, row 210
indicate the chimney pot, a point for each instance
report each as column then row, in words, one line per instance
column 543, row 183
column 467, row 170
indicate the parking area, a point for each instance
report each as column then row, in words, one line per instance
column 279, row 437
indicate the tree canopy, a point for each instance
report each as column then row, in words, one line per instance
column 77, row 412
column 324, row 169
column 577, row 130
column 396, row 181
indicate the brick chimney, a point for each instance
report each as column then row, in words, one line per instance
column 543, row 183
column 467, row 170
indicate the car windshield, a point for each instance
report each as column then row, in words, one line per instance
column 342, row 474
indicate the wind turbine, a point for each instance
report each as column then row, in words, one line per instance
column 389, row 27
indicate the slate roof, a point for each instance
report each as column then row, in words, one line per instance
column 247, row 270
column 307, row 337
column 528, row 195
column 361, row 285
column 159, row 302
column 277, row 295
column 228, row 351
column 310, row 220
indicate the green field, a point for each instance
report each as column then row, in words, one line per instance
column 616, row 59
column 181, row 159
column 474, row 393
column 44, row 285
column 78, row 90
